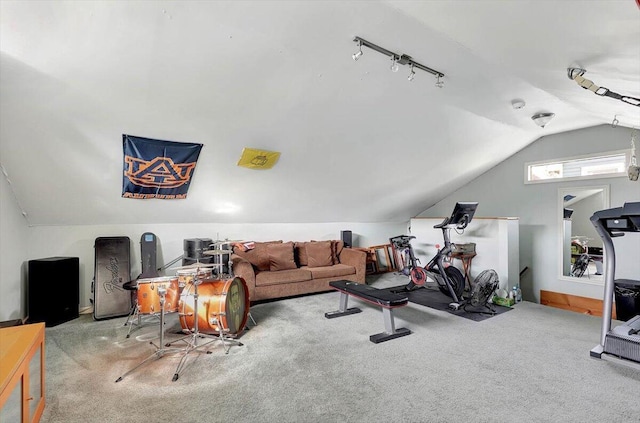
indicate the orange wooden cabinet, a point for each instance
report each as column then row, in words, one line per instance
column 22, row 369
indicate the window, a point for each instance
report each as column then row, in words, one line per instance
column 603, row 165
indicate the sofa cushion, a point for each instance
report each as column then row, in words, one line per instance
column 281, row 256
column 337, row 247
column 300, row 253
column 319, row 254
column 258, row 256
column 282, row 277
column 331, row 271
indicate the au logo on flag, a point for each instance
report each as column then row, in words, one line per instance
column 157, row 168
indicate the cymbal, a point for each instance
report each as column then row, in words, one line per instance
column 215, row 252
column 195, row 266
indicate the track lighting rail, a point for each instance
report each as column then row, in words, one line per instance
column 401, row 59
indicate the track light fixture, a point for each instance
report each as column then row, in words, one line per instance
column 355, row 56
column 412, row 74
column 398, row 59
column 394, row 64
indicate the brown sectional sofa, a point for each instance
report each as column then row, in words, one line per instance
column 279, row 269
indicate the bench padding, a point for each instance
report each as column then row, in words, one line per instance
column 368, row 293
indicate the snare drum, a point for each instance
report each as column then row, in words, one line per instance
column 185, row 276
column 223, row 306
column 149, row 298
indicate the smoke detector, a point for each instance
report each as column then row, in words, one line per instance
column 518, row 104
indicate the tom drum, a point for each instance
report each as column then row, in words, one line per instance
column 223, row 306
column 186, row 276
column 149, row 297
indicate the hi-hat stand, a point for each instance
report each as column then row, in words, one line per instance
column 191, row 339
column 160, row 350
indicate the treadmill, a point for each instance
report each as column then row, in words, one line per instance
column 622, row 343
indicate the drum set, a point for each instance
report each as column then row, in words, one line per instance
column 211, row 305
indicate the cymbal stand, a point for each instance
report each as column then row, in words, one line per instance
column 160, row 350
column 192, row 338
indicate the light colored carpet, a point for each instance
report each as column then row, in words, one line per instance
column 530, row 364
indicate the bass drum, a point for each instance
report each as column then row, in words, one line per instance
column 223, row 306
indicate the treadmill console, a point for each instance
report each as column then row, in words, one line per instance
column 617, row 224
column 619, row 219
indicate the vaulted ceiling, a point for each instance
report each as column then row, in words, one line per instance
column 359, row 143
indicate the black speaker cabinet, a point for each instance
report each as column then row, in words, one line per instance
column 347, row 238
column 54, row 285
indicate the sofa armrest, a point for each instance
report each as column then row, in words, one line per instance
column 357, row 259
column 244, row 269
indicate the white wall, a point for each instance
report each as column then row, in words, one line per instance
column 78, row 241
column 501, row 192
column 13, row 255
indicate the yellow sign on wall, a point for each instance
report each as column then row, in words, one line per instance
column 258, row 159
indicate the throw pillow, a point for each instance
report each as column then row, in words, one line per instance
column 281, row 256
column 258, row 256
column 337, row 247
column 301, row 253
column 319, row 254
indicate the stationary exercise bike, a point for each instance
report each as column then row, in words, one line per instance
column 449, row 279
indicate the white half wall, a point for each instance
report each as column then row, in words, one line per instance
column 502, row 192
column 78, row 241
column 13, row 255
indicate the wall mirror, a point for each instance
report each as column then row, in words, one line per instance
column 581, row 250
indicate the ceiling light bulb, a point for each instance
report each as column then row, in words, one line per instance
column 412, row 74
column 394, row 64
column 357, row 54
column 439, row 82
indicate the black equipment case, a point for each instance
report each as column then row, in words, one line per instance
column 112, row 269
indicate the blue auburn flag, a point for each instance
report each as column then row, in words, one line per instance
column 156, row 168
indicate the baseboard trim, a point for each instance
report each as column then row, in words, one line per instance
column 584, row 305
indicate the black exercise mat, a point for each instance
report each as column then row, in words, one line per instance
column 433, row 298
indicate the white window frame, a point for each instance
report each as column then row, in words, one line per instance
column 527, row 165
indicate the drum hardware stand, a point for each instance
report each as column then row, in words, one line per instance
column 134, row 314
column 254, row 322
column 226, row 340
column 160, row 351
column 192, row 338
column 171, row 263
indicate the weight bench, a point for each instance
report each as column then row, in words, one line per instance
column 387, row 300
